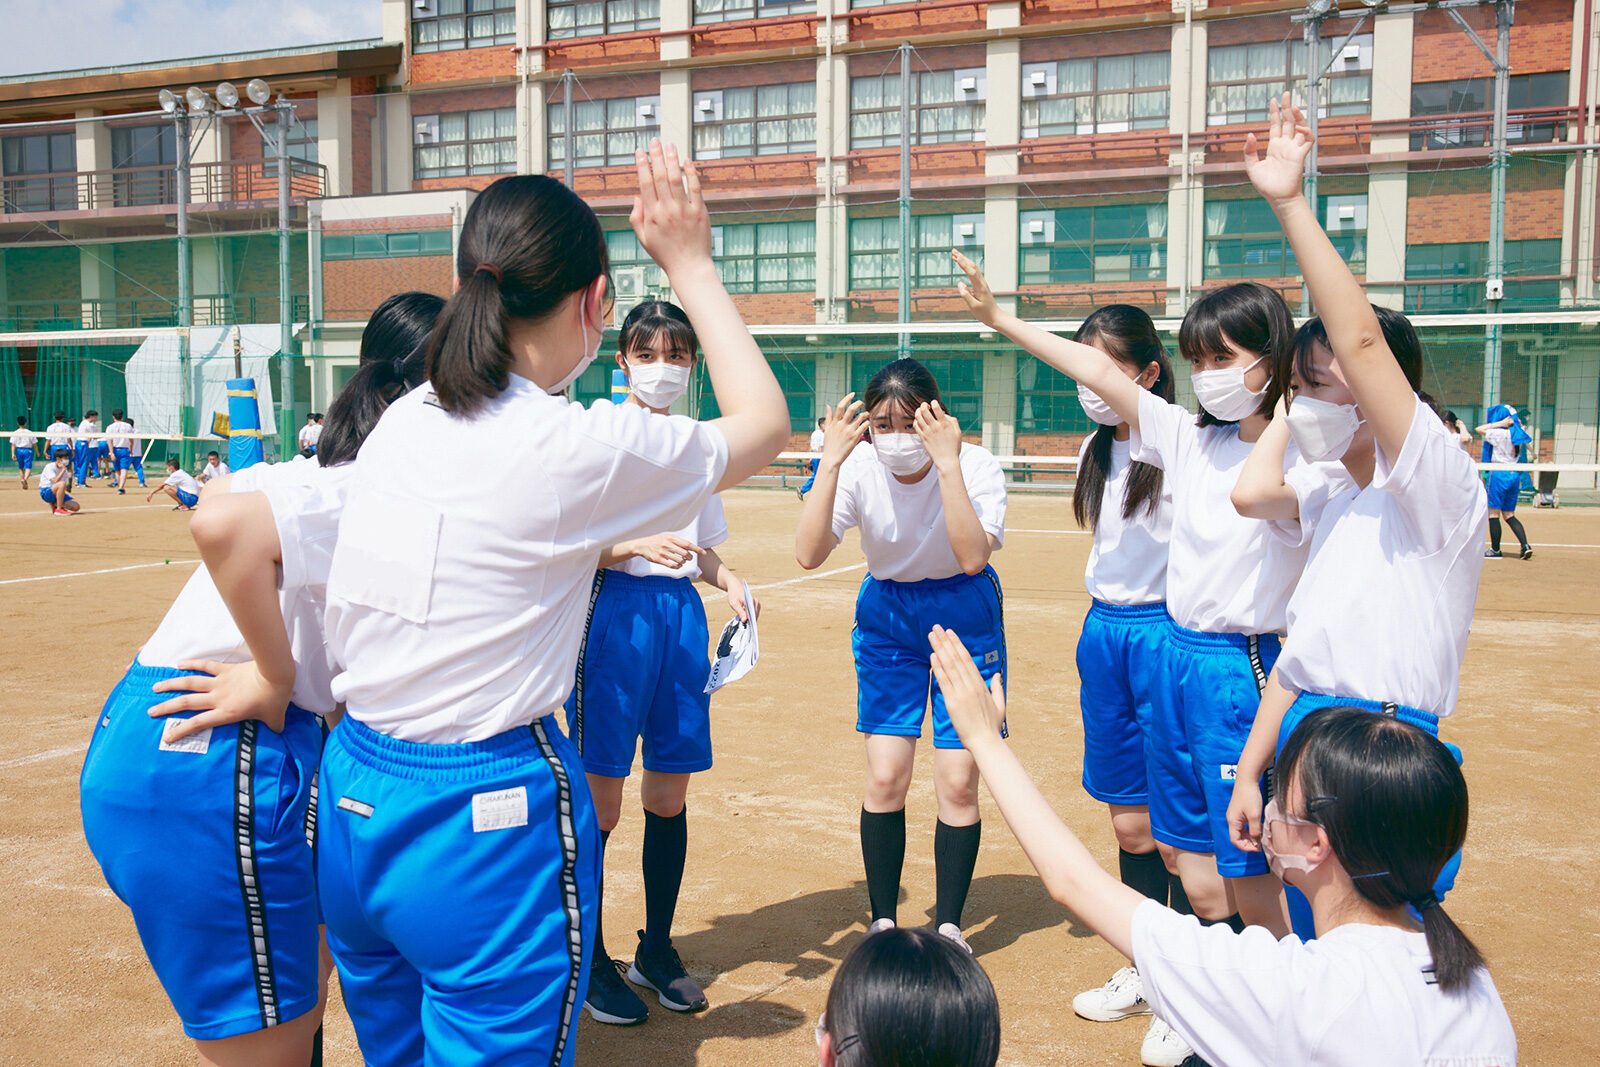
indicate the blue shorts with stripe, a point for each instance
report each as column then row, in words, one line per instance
column 1502, row 488
column 894, row 680
column 460, row 885
column 1202, row 711
column 188, row 500
column 1304, row 705
column 24, row 459
column 121, row 459
column 642, row 674
column 206, row 841
column 47, row 494
column 1118, row 658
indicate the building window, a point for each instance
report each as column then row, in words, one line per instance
column 1244, row 239
column 1460, row 270
column 465, row 142
column 626, row 253
column 592, row 18
column 947, row 106
column 1047, row 401
column 768, row 120
column 875, row 250
column 960, row 381
column 302, row 144
column 1109, row 94
column 1242, row 78
column 445, row 25
column 766, row 257
column 739, row 10
column 1474, row 98
column 386, row 245
column 1115, row 243
column 145, row 155
column 605, row 133
column 51, row 156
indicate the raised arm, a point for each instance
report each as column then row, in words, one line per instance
column 1082, row 363
column 1261, row 492
column 842, row 427
column 1386, row 399
column 941, row 434
column 670, row 217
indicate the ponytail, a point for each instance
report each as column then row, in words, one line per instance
column 527, row 243
column 1393, row 803
column 392, row 350
column 1126, row 334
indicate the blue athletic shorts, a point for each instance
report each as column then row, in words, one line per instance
column 24, row 459
column 1304, row 705
column 893, row 675
column 642, row 674
column 1201, row 717
column 103, row 448
column 121, row 459
column 47, row 494
column 1503, row 488
column 1118, row 656
column 460, row 884
column 188, row 500
column 206, row 842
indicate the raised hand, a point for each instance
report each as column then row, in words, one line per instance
column 976, row 710
column 669, row 214
column 843, row 426
column 940, row 434
column 1279, row 176
column 975, row 291
column 226, row 693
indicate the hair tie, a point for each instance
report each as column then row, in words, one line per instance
column 492, row 269
column 1422, row 904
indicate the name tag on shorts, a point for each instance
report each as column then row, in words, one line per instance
column 499, row 810
column 1229, row 772
column 991, row 657
column 196, row 743
column 355, row 807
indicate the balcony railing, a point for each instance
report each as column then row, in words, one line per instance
column 146, row 312
column 233, row 182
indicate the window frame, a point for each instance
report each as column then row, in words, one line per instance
column 749, row 10
column 53, row 189
column 504, row 29
column 339, row 247
column 1294, row 79
column 1349, row 241
column 467, row 168
column 804, row 280
column 555, row 124
column 1098, row 216
column 1037, row 92
column 977, row 106
column 1438, row 133
column 607, row 25
column 972, row 244
column 717, row 100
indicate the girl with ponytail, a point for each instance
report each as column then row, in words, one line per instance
column 1366, row 810
column 202, row 822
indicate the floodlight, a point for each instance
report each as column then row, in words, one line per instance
column 197, row 98
column 1320, row 7
column 227, row 95
column 168, row 100
column 258, row 91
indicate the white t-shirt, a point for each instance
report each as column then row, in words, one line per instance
column 456, row 604
column 1502, row 450
column 708, row 530
column 88, row 426
column 1383, row 609
column 182, row 481
column 903, row 532
column 60, row 435
column 1357, row 996
column 306, row 500
column 1128, row 563
column 1225, row 573
column 315, row 435
column 53, row 472
column 118, row 433
column 818, row 439
column 24, row 439
column 214, row 470
column 305, row 434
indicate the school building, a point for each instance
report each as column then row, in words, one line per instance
column 1085, row 151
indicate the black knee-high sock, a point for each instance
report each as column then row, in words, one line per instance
column 600, row 903
column 955, row 853
column 316, row 1048
column 883, row 849
column 1179, row 899
column 1144, row 871
column 666, row 843
column 1516, row 528
column 1494, row 534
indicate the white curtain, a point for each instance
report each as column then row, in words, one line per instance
column 1155, row 220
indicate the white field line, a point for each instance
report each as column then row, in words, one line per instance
column 40, row 757
column 107, row 570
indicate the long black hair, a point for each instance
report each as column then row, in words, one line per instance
column 527, row 243
column 648, row 320
column 1126, row 334
column 393, row 350
column 1398, row 334
column 905, row 382
column 1253, row 317
column 907, row 997
column 1394, row 805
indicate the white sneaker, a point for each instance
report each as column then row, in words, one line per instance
column 953, row 932
column 1119, row 998
column 1163, row 1047
column 880, row 924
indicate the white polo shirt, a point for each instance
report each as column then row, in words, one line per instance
column 118, row 433
column 1383, row 609
column 306, row 501
column 24, row 439
column 182, row 481
column 903, row 532
column 1128, row 562
column 59, row 434
column 456, row 602
column 1499, row 442
column 1225, row 573
column 53, row 472
column 708, row 530
column 214, row 470
column 1357, row 996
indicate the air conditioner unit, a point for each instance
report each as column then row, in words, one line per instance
column 1039, row 77
column 1347, row 212
column 646, row 110
column 1036, row 226
column 969, row 85
column 630, row 284
column 706, row 106
column 422, row 7
column 1351, row 53
column 968, row 229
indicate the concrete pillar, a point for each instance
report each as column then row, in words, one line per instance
column 1185, row 199
column 396, row 21
column 209, row 145
column 394, row 132
column 675, row 15
column 97, row 284
column 677, row 109
column 1577, row 439
column 833, row 140
column 92, row 153
column 1002, row 239
column 1000, row 402
column 1387, row 182
column 336, row 138
column 209, row 274
column 1003, row 105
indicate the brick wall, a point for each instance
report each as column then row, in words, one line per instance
column 351, row 288
column 1541, row 40
column 593, row 51
column 720, row 39
column 1069, row 10
column 1452, row 206
column 154, row 264
column 497, row 61
column 1078, row 45
column 870, row 25
column 42, row 274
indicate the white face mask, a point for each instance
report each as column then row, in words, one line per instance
column 1097, row 409
column 583, row 361
column 1278, row 862
column 1322, row 430
column 658, row 384
column 1223, row 392
column 902, row 453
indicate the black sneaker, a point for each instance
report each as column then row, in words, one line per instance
column 1527, row 551
column 609, row 999
column 1493, row 553
column 662, row 971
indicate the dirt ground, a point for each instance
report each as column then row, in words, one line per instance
column 774, row 895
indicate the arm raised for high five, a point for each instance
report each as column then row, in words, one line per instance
column 670, row 218
column 1082, row 363
column 1386, row 399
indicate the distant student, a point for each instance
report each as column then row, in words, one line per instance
column 85, row 449
column 22, row 442
column 1453, row 423
column 118, row 437
column 135, row 453
column 214, row 468
column 1503, row 438
column 55, row 481
column 179, row 485
column 817, row 440
column 308, row 443
column 58, row 434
